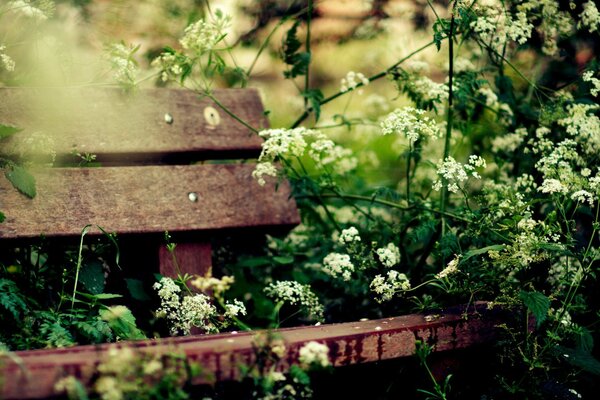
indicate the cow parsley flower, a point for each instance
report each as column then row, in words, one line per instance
column 234, row 309
column 349, row 235
column 294, row 293
column 264, row 169
column 389, row 255
column 204, row 35
column 588, row 76
column 453, row 173
column 336, row 264
column 583, row 196
column 450, row 269
column 123, row 64
column 385, row 287
column 7, row 61
column 314, row 354
column 590, row 17
column 352, row 80
column 552, row 186
column 41, row 12
column 410, row 122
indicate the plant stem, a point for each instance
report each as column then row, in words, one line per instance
column 228, row 111
column 449, row 121
column 307, row 48
column 371, row 79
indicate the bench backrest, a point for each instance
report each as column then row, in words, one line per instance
column 145, row 143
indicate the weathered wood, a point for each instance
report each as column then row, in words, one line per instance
column 192, row 258
column 123, row 127
column 145, row 199
column 349, row 343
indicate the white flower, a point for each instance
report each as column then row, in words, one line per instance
column 8, row 62
column 588, row 76
column 386, row 287
column 553, row 186
column 352, row 80
column 454, row 173
column 25, row 8
column 234, row 309
column 590, row 17
column 349, row 235
column 294, row 293
column 450, row 269
column 389, row 255
column 123, row 63
column 314, row 353
column 264, row 169
column 410, row 122
column 203, row 36
column 336, row 264
column 583, row 196
column 491, row 99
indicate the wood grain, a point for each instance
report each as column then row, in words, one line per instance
column 145, row 199
column 222, row 354
column 118, row 127
column 194, row 258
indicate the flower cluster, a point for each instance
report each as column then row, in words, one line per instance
column 40, row 12
column 204, row 35
column 588, row 76
column 7, row 61
column 389, row 255
column 234, row 309
column 209, row 283
column 123, row 64
column 314, row 354
column 450, row 269
column 336, row 264
column 352, row 80
column 590, row 17
column 183, row 314
column 349, row 235
column 385, row 287
column 454, row 173
column 410, row 122
column 281, row 143
column 295, row 293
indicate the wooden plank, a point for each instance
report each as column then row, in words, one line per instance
column 115, row 125
column 194, row 258
column 222, row 354
column 145, row 199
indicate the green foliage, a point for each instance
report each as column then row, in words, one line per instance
column 537, row 303
column 11, row 298
column 21, row 180
column 8, row 130
column 297, row 61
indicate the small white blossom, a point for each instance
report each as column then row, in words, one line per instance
column 410, row 122
column 590, row 17
column 450, row 269
column 203, row 36
column 314, row 353
column 7, row 61
column 386, row 287
column 123, row 64
column 294, row 293
column 264, row 169
column 583, row 196
column 25, row 8
column 234, row 309
column 453, row 173
column 588, row 76
column 389, row 255
column 336, row 264
column 352, row 80
column 553, row 186
column 349, row 235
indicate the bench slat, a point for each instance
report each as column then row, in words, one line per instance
column 119, row 126
column 145, row 199
column 223, row 354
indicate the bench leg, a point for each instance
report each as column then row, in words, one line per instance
column 192, row 258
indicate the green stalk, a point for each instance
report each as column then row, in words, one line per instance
column 307, row 46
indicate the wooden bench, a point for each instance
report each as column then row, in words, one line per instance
column 155, row 148
column 150, row 181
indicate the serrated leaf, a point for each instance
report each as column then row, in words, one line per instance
column 476, row 252
column 8, row 130
column 136, row 289
column 22, row 180
column 581, row 359
column 537, row 303
column 92, row 277
column 314, row 96
column 122, row 322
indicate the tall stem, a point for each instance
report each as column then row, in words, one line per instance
column 449, row 121
column 307, row 46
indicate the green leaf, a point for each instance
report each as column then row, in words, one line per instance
column 298, row 61
column 106, row 296
column 537, row 303
column 283, row 260
column 314, row 96
column 122, row 322
column 580, row 358
column 136, row 289
column 22, row 180
column 92, row 277
column 483, row 250
column 8, row 130
column 2, row 217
